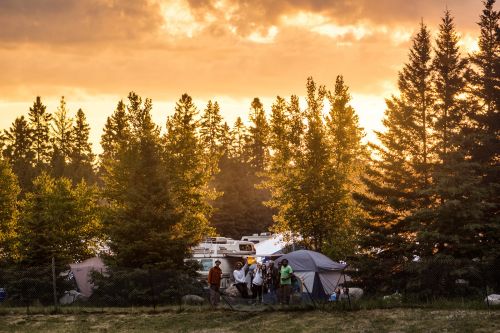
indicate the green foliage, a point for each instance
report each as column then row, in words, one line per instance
column 187, row 173
column 81, row 166
column 313, row 169
column 9, row 192
column 140, row 214
column 212, row 136
column 39, row 122
column 398, row 175
column 57, row 220
column 18, row 151
column 143, row 287
column 62, row 140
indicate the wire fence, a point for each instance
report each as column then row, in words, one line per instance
column 52, row 286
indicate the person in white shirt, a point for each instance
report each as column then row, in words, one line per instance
column 257, row 283
column 239, row 279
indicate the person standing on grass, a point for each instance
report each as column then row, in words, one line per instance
column 240, row 279
column 257, row 283
column 285, row 281
column 214, row 277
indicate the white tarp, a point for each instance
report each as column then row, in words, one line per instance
column 270, row 246
column 81, row 272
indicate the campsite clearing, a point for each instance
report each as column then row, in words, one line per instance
column 203, row 320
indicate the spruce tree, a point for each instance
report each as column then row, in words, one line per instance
column 116, row 135
column 485, row 149
column 140, row 215
column 62, row 140
column 239, row 134
column 39, row 122
column 82, row 159
column 18, row 151
column 211, row 135
column 258, row 136
column 398, row 176
column 187, row 172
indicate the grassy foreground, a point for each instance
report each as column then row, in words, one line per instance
column 379, row 320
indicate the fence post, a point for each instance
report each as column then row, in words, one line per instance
column 54, row 287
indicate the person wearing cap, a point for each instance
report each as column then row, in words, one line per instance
column 214, row 277
column 240, row 279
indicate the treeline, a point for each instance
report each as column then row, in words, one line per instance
column 417, row 211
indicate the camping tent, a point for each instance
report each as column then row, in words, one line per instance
column 81, row 271
column 320, row 274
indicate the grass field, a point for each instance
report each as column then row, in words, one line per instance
column 205, row 320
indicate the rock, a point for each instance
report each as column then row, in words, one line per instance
column 396, row 297
column 232, row 291
column 493, row 299
column 192, row 300
column 70, row 297
column 355, row 293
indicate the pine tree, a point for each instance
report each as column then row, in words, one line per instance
column 116, row 135
column 39, row 122
column 211, row 134
column 9, row 192
column 398, row 175
column 485, row 149
column 82, row 158
column 19, row 153
column 141, row 214
column 62, row 140
column 238, row 138
column 257, row 138
column 188, row 176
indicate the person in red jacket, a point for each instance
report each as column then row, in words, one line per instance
column 214, row 277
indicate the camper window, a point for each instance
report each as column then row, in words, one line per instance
column 246, row 247
column 206, row 264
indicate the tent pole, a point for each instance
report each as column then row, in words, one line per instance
column 308, row 293
column 347, row 288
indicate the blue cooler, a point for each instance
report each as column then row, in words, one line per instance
column 3, row 294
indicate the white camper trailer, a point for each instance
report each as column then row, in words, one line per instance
column 227, row 250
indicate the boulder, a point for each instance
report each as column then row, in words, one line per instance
column 232, row 291
column 192, row 300
column 355, row 293
column 493, row 299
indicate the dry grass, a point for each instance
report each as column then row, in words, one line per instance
column 204, row 320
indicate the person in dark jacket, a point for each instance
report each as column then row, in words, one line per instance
column 214, row 277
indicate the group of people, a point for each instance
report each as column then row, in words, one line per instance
column 273, row 281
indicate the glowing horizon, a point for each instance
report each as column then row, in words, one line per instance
column 95, row 52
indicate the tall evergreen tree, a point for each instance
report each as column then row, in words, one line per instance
column 82, row 158
column 62, row 137
column 258, row 136
column 18, row 151
column 116, row 135
column 238, row 138
column 39, row 121
column 486, row 147
column 211, row 135
column 399, row 175
column 189, row 177
column 9, row 192
column 141, row 215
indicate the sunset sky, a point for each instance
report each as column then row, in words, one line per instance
column 95, row 51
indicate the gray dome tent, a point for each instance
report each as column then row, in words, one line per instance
column 320, row 274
